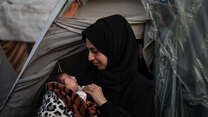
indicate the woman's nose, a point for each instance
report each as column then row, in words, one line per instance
column 91, row 56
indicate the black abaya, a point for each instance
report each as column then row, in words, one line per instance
column 129, row 94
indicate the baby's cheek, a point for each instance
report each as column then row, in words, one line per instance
column 75, row 85
column 69, row 85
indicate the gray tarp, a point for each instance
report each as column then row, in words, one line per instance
column 131, row 9
column 7, row 76
column 23, row 20
column 180, row 31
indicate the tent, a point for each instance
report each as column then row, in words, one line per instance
column 178, row 29
column 58, row 42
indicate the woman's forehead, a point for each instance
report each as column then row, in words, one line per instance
column 89, row 44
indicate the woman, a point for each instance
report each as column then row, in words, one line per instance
column 116, row 85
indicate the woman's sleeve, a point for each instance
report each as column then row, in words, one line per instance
column 110, row 110
column 141, row 105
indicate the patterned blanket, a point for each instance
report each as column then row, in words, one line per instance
column 59, row 101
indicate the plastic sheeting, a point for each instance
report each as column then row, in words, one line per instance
column 180, row 31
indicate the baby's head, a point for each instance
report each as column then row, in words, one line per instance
column 69, row 81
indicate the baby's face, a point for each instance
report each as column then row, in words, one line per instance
column 69, row 81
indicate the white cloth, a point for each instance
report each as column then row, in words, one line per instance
column 81, row 93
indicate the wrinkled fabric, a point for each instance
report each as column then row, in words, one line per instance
column 7, row 77
column 57, row 44
column 23, row 20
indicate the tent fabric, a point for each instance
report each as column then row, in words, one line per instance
column 8, row 77
column 17, row 53
column 72, row 10
column 179, row 28
column 68, row 4
column 136, row 23
column 71, row 7
column 23, row 20
column 131, row 9
column 57, row 44
column 100, row 8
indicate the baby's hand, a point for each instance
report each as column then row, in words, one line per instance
column 69, row 81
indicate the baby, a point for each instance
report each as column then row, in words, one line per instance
column 61, row 99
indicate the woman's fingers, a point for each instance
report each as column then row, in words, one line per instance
column 96, row 92
column 91, row 88
column 94, row 85
column 87, row 89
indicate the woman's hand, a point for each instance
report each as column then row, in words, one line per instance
column 96, row 93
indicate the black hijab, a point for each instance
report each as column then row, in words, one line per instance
column 114, row 37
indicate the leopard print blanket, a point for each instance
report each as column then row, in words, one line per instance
column 59, row 101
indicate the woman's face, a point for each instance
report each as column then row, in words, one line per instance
column 96, row 57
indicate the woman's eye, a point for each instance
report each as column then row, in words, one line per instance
column 95, row 52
